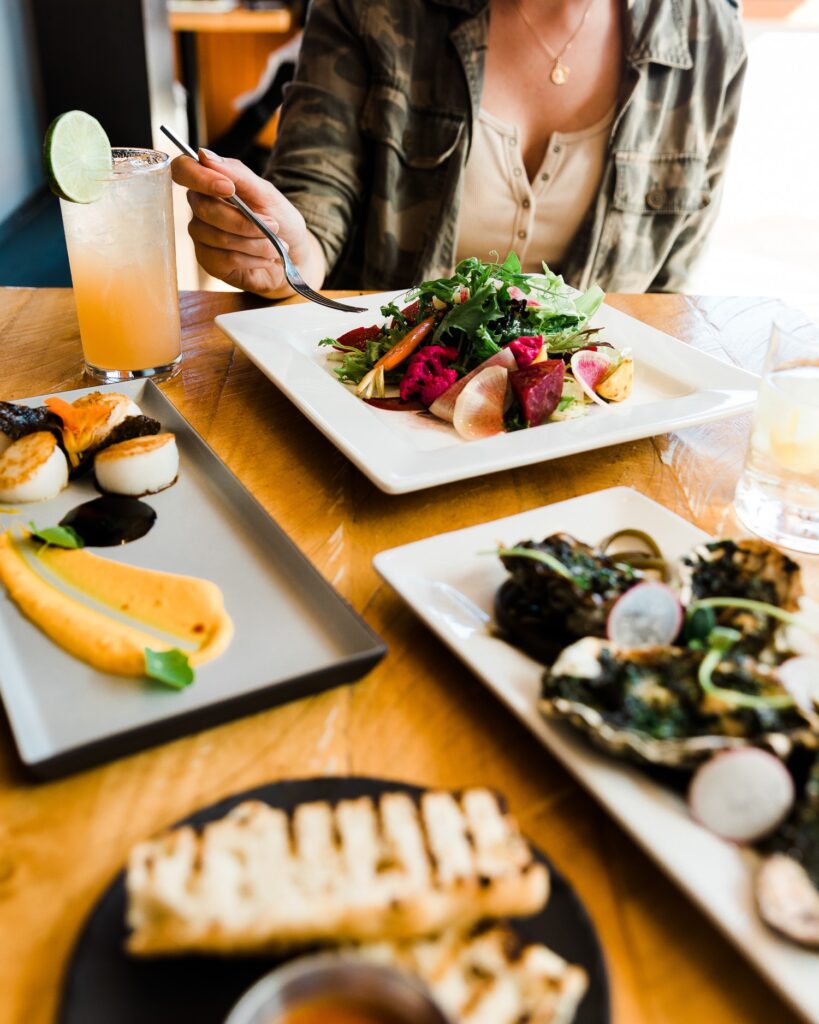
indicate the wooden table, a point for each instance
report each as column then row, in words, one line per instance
column 419, row 716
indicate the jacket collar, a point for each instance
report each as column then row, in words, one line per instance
column 657, row 32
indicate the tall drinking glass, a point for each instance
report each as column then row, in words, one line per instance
column 778, row 493
column 123, row 268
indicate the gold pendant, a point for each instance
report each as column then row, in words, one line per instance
column 560, row 73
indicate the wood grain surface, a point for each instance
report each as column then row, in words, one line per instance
column 419, row 716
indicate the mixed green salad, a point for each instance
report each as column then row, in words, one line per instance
column 488, row 349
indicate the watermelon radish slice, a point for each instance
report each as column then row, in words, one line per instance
column 741, row 795
column 444, row 405
column 590, row 368
column 539, row 389
column 648, row 615
column 481, row 404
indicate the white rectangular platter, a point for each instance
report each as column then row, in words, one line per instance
column 675, row 386
column 294, row 635
column 451, row 586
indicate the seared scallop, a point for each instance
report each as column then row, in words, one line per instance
column 142, row 465
column 32, row 469
column 89, row 421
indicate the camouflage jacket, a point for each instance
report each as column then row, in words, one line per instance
column 376, row 128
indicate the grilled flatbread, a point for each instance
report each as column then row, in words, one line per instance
column 261, row 880
column 489, row 976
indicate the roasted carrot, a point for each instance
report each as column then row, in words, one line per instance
column 372, row 384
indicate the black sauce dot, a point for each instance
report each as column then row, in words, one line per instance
column 110, row 520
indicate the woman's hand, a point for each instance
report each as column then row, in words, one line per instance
column 229, row 246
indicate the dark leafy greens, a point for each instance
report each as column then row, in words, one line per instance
column 478, row 311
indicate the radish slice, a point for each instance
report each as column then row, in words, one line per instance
column 800, row 677
column 480, row 406
column 444, row 405
column 741, row 795
column 590, row 369
column 648, row 615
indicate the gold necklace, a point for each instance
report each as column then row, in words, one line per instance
column 560, row 72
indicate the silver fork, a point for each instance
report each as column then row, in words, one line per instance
column 291, row 271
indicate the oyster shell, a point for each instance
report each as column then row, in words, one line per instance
column 646, row 704
column 541, row 611
column 788, row 900
column 787, row 883
column 747, row 569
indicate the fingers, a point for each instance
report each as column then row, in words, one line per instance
column 256, row 191
column 225, row 217
column 217, row 238
column 192, row 175
column 232, row 266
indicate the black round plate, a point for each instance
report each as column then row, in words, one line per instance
column 104, row 986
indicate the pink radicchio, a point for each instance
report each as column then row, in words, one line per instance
column 526, row 349
column 428, row 374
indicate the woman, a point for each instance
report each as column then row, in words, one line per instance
column 593, row 133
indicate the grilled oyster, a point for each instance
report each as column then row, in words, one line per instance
column 648, row 704
column 787, row 884
column 541, row 608
column 749, row 569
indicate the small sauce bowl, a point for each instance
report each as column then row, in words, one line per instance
column 329, row 988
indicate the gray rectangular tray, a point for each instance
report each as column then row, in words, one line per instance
column 294, row 635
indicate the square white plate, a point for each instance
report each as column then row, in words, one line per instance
column 451, row 586
column 675, row 386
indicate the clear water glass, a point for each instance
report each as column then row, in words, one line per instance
column 778, row 493
column 123, row 269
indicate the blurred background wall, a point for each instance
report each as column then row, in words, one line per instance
column 20, row 169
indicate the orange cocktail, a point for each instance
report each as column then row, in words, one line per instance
column 123, row 268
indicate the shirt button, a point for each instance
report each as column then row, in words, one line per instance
column 556, row 149
column 525, row 204
column 521, row 234
column 656, row 198
column 545, row 176
column 517, row 172
column 512, row 142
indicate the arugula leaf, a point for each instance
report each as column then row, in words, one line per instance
column 169, row 667
column 511, row 264
column 58, row 536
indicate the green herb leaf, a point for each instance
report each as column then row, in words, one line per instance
column 546, row 559
column 169, row 667
column 512, row 263
column 721, row 641
column 699, row 625
column 58, row 536
column 747, row 604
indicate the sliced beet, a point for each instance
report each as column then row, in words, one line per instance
column 358, row 337
column 538, row 389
